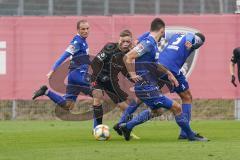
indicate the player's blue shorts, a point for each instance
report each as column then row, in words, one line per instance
column 183, row 84
column 78, row 81
column 151, row 96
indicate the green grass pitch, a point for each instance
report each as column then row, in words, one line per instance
column 59, row 140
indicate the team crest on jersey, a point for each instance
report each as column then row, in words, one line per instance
column 190, row 63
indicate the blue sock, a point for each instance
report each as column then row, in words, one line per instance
column 128, row 112
column 183, row 123
column 186, row 109
column 139, row 119
column 56, row 98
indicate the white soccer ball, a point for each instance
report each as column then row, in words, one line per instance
column 101, row 132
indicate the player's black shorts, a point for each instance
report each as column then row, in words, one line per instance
column 113, row 91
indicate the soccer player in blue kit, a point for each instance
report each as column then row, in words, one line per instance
column 145, row 55
column 173, row 59
column 179, row 48
column 78, row 77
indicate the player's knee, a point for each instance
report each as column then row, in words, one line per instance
column 187, row 97
column 69, row 105
column 176, row 108
column 97, row 93
column 96, row 102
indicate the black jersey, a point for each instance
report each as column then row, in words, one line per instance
column 108, row 64
column 236, row 59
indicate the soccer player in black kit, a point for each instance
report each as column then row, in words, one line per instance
column 106, row 66
column 235, row 60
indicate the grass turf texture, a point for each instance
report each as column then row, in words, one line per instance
column 59, row 140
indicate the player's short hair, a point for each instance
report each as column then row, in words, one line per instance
column 81, row 21
column 125, row 33
column 157, row 24
column 200, row 35
column 236, row 50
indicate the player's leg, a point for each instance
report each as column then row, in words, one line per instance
column 120, row 98
column 137, row 120
column 184, row 93
column 82, row 84
column 183, row 123
column 56, row 98
column 153, row 99
column 156, row 103
column 131, row 107
column 186, row 98
column 127, row 107
column 97, row 107
column 77, row 83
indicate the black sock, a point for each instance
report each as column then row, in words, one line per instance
column 98, row 114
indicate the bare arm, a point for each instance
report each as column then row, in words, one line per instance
column 171, row 77
column 232, row 70
column 129, row 60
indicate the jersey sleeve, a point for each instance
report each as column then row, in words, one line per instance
column 64, row 56
column 74, row 47
column 143, row 47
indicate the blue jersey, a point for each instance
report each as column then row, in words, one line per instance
column 167, row 36
column 143, row 36
column 78, row 48
column 176, row 53
column 78, row 53
column 147, row 50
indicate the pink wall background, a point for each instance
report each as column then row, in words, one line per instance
column 34, row 44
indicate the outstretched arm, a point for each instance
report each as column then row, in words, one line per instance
column 64, row 56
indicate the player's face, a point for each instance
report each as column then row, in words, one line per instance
column 83, row 29
column 125, row 43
